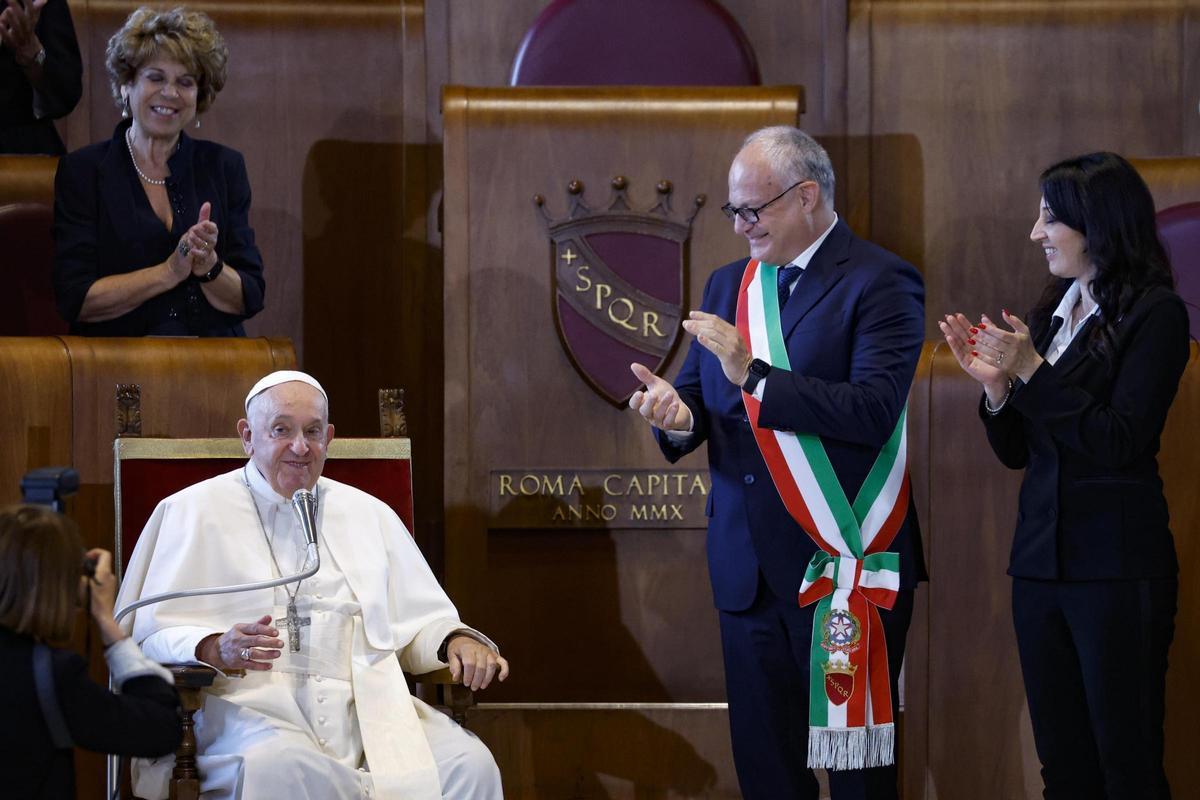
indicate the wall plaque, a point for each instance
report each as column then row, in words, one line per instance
column 598, row 498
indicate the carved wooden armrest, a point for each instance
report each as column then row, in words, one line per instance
column 449, row 692
column 190, row 679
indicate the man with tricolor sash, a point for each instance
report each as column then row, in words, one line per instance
column 797, row 380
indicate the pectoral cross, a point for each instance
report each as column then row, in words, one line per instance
column 294, row 621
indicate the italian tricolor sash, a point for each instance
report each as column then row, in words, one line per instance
column 851, row 575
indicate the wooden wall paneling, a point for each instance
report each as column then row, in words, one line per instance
column 1191, row 78
column 1179, row 464
column 607, row 753
column 912, row 751
column 1172, row 180
column 979, row 739
column 611, row 603
column 36, row 372
column 190, row 388
column 993, row 93
column 27, row 179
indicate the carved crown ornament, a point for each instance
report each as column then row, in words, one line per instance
column 618, row 283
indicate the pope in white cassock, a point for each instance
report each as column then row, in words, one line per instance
column 329, row 716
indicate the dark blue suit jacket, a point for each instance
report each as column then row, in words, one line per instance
column 1086, row 431
column 104, row 225
column 854, row 327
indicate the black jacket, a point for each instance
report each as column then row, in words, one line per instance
column 853, row 330
column 1087, row 435
column 143, row 720
column 104, row 225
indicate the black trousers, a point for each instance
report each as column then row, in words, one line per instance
column 766, row 650
column 1094, row 659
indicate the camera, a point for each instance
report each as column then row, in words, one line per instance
column 49, row 486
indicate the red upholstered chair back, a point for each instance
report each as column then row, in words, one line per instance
column 1179, row 229
column 635, row 42
column 27, row 247
column 148, row 470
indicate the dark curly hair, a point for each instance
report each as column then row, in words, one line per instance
column 1101, row 196
column 189, row 37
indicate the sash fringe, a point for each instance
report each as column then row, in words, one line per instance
column 851, row 748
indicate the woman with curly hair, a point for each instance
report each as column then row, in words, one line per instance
column 1078, row 399
column 152, row 232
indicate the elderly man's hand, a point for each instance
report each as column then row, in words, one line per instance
column 723, row 341
column 659, row 404
column 474, row 663
column 247, row 645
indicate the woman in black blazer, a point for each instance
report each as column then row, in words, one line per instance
column 44, row 575
column 1078, row 399
column 151, row 228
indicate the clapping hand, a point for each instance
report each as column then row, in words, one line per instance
column 960, row 334
column 1013, row 349
column 723, row 341
column 18, row 25
column 198, row 246
column 659, row 404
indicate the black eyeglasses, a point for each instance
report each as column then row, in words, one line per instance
column 750, row 215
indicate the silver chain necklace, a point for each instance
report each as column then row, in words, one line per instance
column 133, row 158
column 293, row 619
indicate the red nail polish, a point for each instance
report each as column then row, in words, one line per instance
column 975, row 354
column 974, row 330
column 983, row 326
column 1004, row 311
column 970, row 341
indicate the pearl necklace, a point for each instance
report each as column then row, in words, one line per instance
column 133, row 158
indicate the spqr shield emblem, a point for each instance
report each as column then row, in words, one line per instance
column 618, row 280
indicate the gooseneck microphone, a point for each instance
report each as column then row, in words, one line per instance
column 305, row 506
column 304, row 503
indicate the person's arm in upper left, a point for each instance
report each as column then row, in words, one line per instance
column 31, row 26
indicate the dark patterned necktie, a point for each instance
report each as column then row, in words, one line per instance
column 786, row 276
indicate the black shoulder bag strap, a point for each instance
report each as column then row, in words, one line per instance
column 43, row 676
